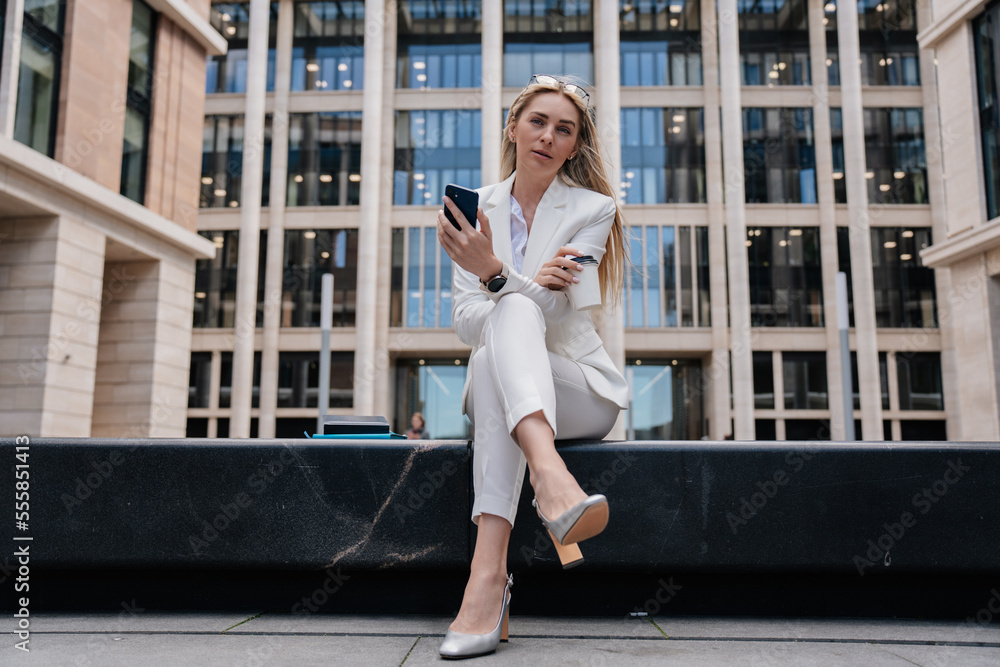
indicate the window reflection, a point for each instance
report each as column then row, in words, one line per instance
column 666, row 399
column 660, row 42
column 919, row 378
column 215, row 281
column 308, row 255
column 298, row 380
column 665, row 287
column 228, row 73
column 328, row 46
column 779, row 158
column 786, row 281
column 432, row 387
column 421, row 285
column 663, row 155
column 986, row 35
column 894, row 154
column 439, row 44
column 324, row 159
column 222, row 162
column 774, row 42
column 805, row 381
column 554, row 37
column 887, row 35
column 434, row 148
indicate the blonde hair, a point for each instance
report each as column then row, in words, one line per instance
column 586, row 169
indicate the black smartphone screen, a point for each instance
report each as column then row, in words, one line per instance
column 467, row 202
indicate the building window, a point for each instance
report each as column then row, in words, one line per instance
column 807, row 429
column 663, row 156
column 774, row 42
column 779, row 159
column 433, row 387
column 837, row 141
column 905, row 294
column 421, row 280
column 138, row 106
column 553, row 37
column 434, row 148
column 660, row 43
column 226, row 388
column 328, row 47
column 324, row 159
column 786, row 281
column 667, row 284
column 666, row 401
column 894, row 154
column 805, row 380
column 298, row 380
column 439, row 45
column 222, row 162
column 199, row 386
column 38, row 78
column 919, row 377
column 923, row 430
column 215, row 282
column 228, row 73
column 887, row 36
column 763, row 381
column 309, row 254
column 986, row 34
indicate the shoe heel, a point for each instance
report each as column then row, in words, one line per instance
column 569, row 554
column 503, row 630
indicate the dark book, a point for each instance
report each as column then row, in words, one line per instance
column 343, row 425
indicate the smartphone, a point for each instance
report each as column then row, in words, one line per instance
column 467, row 202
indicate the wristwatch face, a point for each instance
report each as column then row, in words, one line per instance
column 496, row 284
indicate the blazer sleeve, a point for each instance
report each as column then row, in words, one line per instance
column 472, row 306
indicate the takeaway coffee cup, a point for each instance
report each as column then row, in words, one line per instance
column 586, row 294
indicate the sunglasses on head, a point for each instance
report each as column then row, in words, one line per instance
column 572, row 88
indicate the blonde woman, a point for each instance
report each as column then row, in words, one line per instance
column 538, row 369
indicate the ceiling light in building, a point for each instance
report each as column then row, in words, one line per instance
column 773, row 74
column 354, row 178
column 837, row 175
column 312, row 67
column 884, row 187
column 638, row 362
column 342, row 67
column 673, row 362
column 629, row 174
column 310, row 234
column 421, row 77
column 676, row 9
column 419, row 119
column 756, row 232
column 825, row 20
column 879, row 7
column 888, row 61
column 869, row 174
column 420, row 186
column 674, row 22
column 899, row 174
column 782, row 243
column 458, row 362
column 206, row 180
column 830, row 7
column 325, row 178
column 219, row 192
column 298, row 178
column 421, row 362
column 675, row 129
column 749, row 232
column 219, row 241
column 907, row 233
column 795, row 232
column 419, row 65
column 627, row 7
column 200, row 295
column 226, row 18
column 749, row 243
column 781, row 66
column 889, row 244
column 829, row 62
column 233, row 204
column 679, row 118
column 231, row 30
column 427, row 195
column 348, row 83
column 906, row 257
column 321, row 84
column 881, row 62
column 325, row 255
column 418, row 177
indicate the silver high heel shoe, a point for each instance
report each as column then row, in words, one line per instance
column 582, row 521
column 462, row 645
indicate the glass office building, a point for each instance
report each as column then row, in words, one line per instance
column 343, row 176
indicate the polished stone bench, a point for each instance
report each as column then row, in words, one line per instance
column 775, row 510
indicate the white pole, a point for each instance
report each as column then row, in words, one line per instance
column 325, row 323
column 843, row 322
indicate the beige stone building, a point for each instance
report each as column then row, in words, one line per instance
column 100, row 114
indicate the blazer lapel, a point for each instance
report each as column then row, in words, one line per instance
column 497, row 209
column 548, row 218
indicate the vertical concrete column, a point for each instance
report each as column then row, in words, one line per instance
column 827, row 217
column 492, row 87
column 365, row 367
column 935, row 139
column 866, row 342
column 253, row 174
column 273, row 273
column 716, row 381
column 10, row 65
column 736, row 227
column 383, row 390
column 607, row 102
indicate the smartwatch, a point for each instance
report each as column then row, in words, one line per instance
column 496, row 283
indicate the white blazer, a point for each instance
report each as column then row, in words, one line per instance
column 565, row 216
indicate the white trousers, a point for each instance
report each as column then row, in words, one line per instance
column 513, row 376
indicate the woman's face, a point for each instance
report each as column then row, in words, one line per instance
column 546, row 133
column 415, row 422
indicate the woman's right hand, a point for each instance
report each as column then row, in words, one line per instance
column 559, row 272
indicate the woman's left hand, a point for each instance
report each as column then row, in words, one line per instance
column 470, row 248
column 559, row 272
